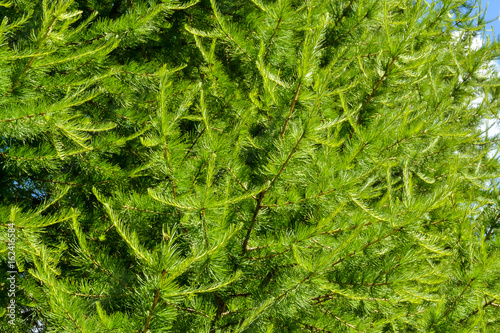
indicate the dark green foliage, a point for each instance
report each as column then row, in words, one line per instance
column 249, row 166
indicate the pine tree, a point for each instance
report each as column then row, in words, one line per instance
column 248, row 166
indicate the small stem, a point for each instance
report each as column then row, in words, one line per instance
column 252, row 223
column 291, row 110
column 153, row 306
column 271, row 40
column 458, row 297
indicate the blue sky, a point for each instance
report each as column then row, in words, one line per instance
column 492, row 14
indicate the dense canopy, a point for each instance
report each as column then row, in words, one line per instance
column 248, row 166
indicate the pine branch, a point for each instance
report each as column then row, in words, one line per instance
column 362, row 219
column 22, row 118
column 325, row 298
column 339, row 38
column 258, row 207
column 74, row 321
column 289, row 248
column 341, row 230
column 282, row 135
column 239, row 182
column 272, row 255
column 377, row 86
column 323, row 193
column 98, row 296
column 6, row 225
column 30, row 62
column 367, row 245
column 271, row 39
column 155, row 303
column 344, row 13
column 338, row 318
column 146, row 210
column 310, row 327
column 192, row 145
column 473, row 313
column 205, row 230
column 286, row 162
column 190, row 310
column 218, row 17
column 109, row 273
column 169, row 166
column 301, row 282
column 456, row 299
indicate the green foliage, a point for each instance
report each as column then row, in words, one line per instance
column 249, row 166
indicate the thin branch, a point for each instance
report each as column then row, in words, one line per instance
column 271, row 40
column 236, row 178
column 23, row 117
column 350, row 30
column 301, row 200
column 169, row 166
column 30, row 63
column 310, row 327
column 286, row 161
column 377, row 86
column 155, row 302
column 458, row 297
column 257, row 248
column 344, row 13
column 282, row 135
column 109, row 273
column 305, row 279
column 477, row 310
column 367, row 245
column 146, row 210
column 141, row 74
column 190, row 310
column 6, row 225
column 271, row 255
column 437, row 222
column 339, row 230
column 239, row 182
column 192, row 145
column 302, row 240
column 258, row 207
column 324, row 298
column 205, row 230
column 74, row 321
column 338, row 318
column 87, row 161
column 99, row 296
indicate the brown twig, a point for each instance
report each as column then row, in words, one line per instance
column 271, row 40
column 23, row 117
column 477, row 310
column 258, row 207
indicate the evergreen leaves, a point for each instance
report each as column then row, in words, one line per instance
column 249, row 166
